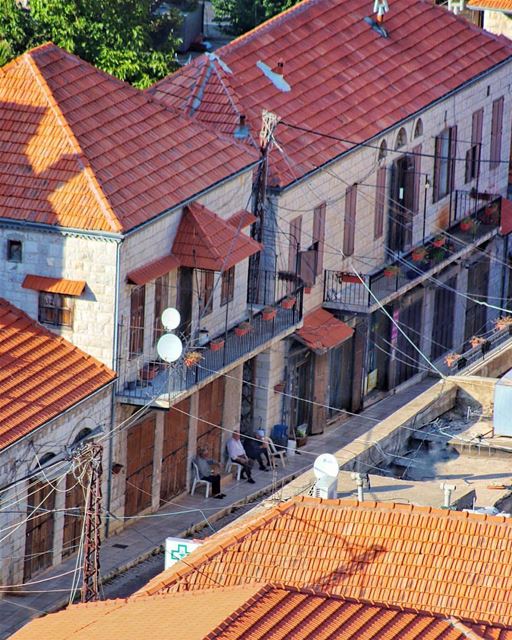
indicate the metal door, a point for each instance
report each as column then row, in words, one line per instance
column 40, row 526
column 247, row 407
column 174, row 452
column 73, row 520
column 476, row 314
column 211, row 404
column 139, row 466
column 444, row 313
column 301, row 370
column 401, row 204
column 406, row 356
column 340, row 377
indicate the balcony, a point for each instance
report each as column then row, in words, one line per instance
column 474, row 218
column 159, row 384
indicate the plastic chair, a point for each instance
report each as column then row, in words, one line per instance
column 197, row 480
column 274, row 453
column 230, row 464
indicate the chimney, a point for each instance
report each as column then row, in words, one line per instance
column 242, row 130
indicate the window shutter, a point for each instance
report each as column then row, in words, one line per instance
column 350, row 220
column 437, row 167
column 308, row 267
column 416, row 179
column 319, row 236
column 496, row 131
column 453, row 156
column 380, row 199
column 295, row 234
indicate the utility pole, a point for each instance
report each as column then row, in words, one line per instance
column 92, row 455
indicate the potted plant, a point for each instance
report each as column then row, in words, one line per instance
column 490, row 215
column 217, row 344
column 438, row 241
column 438, row 254
column 269, row 313
column 191, row 358
column 289, row 302
column 301, row 435
column 243, row 328
column 476, row 341
column 419, row 254
column 391, row 271
column 451, row 359
column 466, row 224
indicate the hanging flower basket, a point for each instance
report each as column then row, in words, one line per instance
column 438, row 241
column 391, row 271
column 451, row 359
column 269, row 313
column 466, row 224
column 289, row 302
column 217, row 344
column 503, row 323
column 242, row 329
column 192, row 358
column 419, row 254
column 476, row 341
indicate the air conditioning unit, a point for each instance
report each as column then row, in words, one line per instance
column 326, row 488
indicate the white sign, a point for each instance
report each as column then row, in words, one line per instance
column 178, row 548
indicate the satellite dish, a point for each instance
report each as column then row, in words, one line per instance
column 275, row 78
column 171, row 318
column 326, row 466
column 222, row 64
column 169, row 347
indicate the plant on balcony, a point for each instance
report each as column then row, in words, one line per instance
column 438, row 254
column 301, row 435
column 391, row 271
column 491, row 213
column 467, row 224
column 505, row 322
column 289, row 302
column 269, row 313
column 451, row 359
column 217, row 344
column 438, row 241
column 419, row 254
column 192, row 358
column 243, row 328
column 476, row 341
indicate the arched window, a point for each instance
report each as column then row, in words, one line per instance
column 401, row 139
column 83, row 433
column 383, row 150
column 45, row 459
column 418, row 129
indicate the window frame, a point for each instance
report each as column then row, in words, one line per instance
column 137, row 320
column 444, row 163
column 227, row 288
column 496, row 133
column 55, row 314
column 11, row 243
column 349, row 226
column 319, row 218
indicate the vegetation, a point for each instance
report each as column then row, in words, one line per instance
column 127, row 38
column 240, row 16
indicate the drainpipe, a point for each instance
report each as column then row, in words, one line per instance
column 115, row 364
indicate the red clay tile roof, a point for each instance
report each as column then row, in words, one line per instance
column 322, row 331
column 82, row 149
column 273, row 611
column 242, row 219
column 345, row 79
column 41, row 375
column 205, row 241
column 446, row 562
column 183, row 616
column 54, row 285
column 491, row 5
column 153, row 270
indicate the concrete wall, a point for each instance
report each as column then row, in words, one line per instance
column 498, row 23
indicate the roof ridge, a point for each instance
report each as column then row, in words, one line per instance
column 95, row 187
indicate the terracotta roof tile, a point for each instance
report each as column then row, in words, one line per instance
column 369, row 550
column 491, row 5
column 321, row 331
column 153, row 270
column 84, row 150
column 54, row 285
column 242, row 219
column 41, row 375
column 345, row 79
column 205, row 241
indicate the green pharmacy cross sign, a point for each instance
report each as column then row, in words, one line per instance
column 177, row 548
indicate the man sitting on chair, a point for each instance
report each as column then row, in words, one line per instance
column 206, row 471
column 237, row 454
column 257, row 450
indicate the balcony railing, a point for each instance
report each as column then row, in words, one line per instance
column 473, row 217
column 158, row 383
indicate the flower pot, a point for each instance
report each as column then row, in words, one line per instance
column 217, row 345
column 466, row 225
column 301, row 442
column 418, row 255
column 288, row 303
column 241, row 330
column 438, row 242
column 391, row 272
column 268, row 314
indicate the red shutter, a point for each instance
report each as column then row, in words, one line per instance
column 350, row 220
column 295, row 233
column 380, row 199
column 453, row 156
column 437, row 167
column 416, row 182
column 319, row 236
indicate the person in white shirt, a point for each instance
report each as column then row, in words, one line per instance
column 237, row 454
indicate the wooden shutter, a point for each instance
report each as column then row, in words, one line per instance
column 295, row 234
column 416, row 162
column 137, row 320
column 319, row 236
column 453, row 156
column 437, row 167
column 380, row 199
column 496, row 130
column 350, row 220
column 308, row 267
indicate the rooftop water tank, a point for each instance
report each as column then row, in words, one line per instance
column 503, row 406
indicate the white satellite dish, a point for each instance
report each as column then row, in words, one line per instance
column 275, row 78
column 326, row 466
column 222, row 64
column 169, row 347
column 171, row 318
